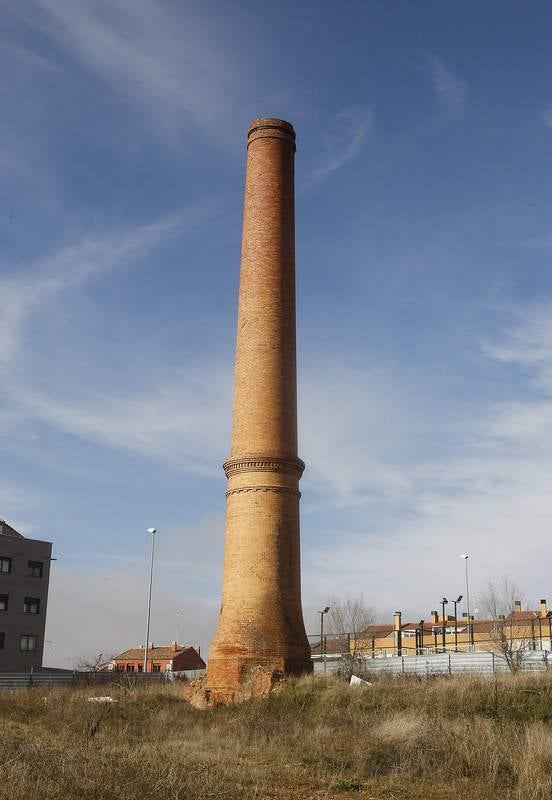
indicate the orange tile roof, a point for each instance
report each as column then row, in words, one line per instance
column 162, row 653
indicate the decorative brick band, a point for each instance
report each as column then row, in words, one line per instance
column 256, row 463
column 277, row 489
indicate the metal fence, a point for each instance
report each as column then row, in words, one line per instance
column 438, row 664
column 29, row 680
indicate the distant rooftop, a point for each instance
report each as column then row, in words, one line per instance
column 7, row 530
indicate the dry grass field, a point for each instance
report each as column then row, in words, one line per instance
column 466, row 738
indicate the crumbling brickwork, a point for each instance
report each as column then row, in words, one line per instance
column 261, row 622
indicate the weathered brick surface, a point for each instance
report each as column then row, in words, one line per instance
column 261, row 622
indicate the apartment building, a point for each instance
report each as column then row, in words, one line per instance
column 521, row 629
column 24, row 580
column 165, row 658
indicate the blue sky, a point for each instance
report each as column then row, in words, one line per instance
column 424, row 296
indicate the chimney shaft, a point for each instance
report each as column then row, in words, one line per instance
column 397, row 620
column 434, row 617
column 517, row 606
column 543, row 608
column 261, row 621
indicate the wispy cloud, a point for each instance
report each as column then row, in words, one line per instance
column 31, row 287
column 179, row 417
column 344, row 138
column 450, row 90
column 484, row 490
column 527, row 343
column 183, row 423
column 175, row 67
column 348, row 455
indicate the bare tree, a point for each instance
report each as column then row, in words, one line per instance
column 511, row 637
column 97, row 663
column 347, row 619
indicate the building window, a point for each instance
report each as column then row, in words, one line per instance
column 140, row 667
column 34, row 569
column 31, row 605
column 130, row 667
column 156, row 668
column 2, row 640
column 3, row 602
column 5, row 564
column 28, row 643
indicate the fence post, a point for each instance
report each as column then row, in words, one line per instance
column 493, row 656
column 546, row 660
column 31, row 676
column 402, row 666
column 450, row 666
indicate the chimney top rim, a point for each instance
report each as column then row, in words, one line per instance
column 271, row 128
column 264, row 123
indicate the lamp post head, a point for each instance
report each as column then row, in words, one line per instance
column 444, row 600
column 458, row 599
column 152, row 530
column 464, row 556
column 325, row 610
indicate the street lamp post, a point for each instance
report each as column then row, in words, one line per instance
column 458, row 599
column 465, row 556
column 152, row 531
column 322, row 647
column 421, row 637
column 444, row 602
column 540, row 631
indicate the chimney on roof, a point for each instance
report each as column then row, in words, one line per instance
column 397, row 621
column 435, row 617
column 543, row 609
column 174, row 646
column 465, row 615
column 517, row 606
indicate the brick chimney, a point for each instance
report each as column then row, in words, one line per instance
column 435, row 617
column 397, row 621
column 543, row 609
column 262, row 569
column 517, row 607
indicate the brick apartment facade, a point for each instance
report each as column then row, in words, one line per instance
column 169, row 658
column 24, row 581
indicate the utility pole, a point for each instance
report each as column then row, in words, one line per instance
column 152, row 531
